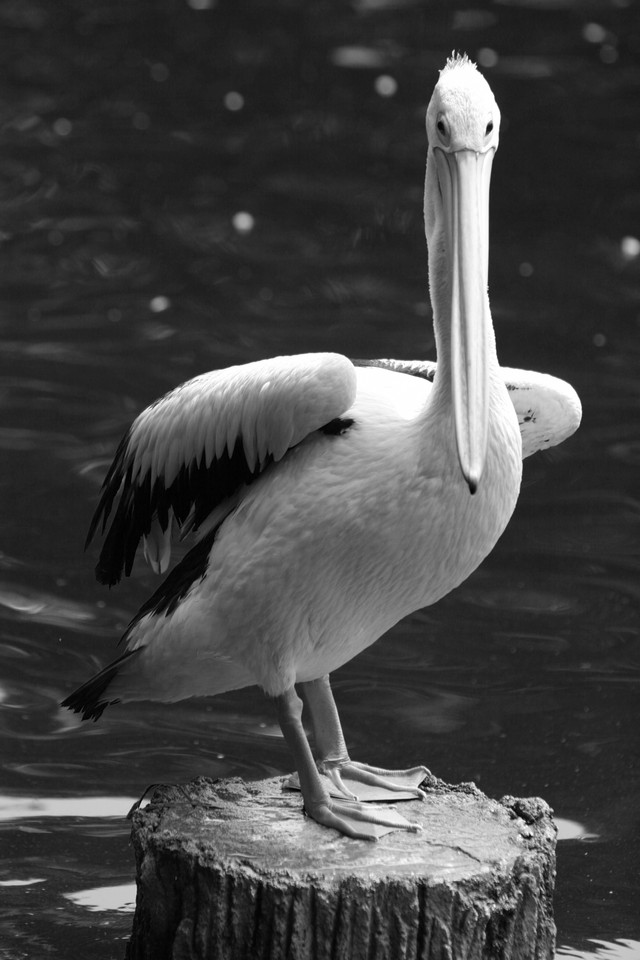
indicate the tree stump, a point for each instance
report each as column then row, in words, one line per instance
column 230, row 870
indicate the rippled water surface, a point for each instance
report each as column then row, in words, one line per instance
column 186, row 185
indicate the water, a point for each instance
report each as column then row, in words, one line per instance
column 189, row 185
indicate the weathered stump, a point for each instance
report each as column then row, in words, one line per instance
column 234, row 871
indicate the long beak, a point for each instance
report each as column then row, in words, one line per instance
column 464, row 177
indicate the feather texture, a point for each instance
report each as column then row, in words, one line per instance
column 548, row 408
column 191, row 450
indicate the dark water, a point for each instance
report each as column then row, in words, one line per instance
column 133, row 135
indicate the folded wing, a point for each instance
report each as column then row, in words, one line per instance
column 548, row 408
column 190, row 452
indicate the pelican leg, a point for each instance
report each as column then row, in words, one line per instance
column 353, row 819
column 334, row 761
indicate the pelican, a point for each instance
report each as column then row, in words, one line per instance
column 328, row 499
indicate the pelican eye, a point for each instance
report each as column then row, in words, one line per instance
column 489, row 128
column 443, row 129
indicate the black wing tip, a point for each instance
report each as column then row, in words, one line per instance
column 89, row 699
column 91, row 708
column 197, row 484
column 176, row 585
column 107, row 575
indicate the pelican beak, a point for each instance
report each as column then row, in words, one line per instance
column 464, row 177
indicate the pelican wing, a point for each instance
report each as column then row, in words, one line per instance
column 548, row 408
column 188, row 454
column 415, row 368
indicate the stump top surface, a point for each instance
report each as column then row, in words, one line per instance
column 261, row 826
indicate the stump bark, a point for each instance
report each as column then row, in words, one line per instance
column 230, row 870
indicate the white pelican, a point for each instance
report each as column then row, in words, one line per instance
column 329, row 499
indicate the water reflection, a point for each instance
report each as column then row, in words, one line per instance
column 118, row 899
column 21, row 808
column 600, row 950
column 21, row 883
column 571, row 830
column 44, row 608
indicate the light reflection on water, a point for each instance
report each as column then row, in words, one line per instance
column 127, row 269
column 118, row 899
column 600, row 950
column 24, row 808
column 36, row 606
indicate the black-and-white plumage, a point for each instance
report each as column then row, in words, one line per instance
column 329, row 499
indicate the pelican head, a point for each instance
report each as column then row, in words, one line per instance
column 463, row 123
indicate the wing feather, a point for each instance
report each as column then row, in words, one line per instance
column 425, row 369
column 191, row 450
column 548, row 408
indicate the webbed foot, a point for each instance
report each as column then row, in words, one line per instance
column 357, row 820
column 385, row 783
